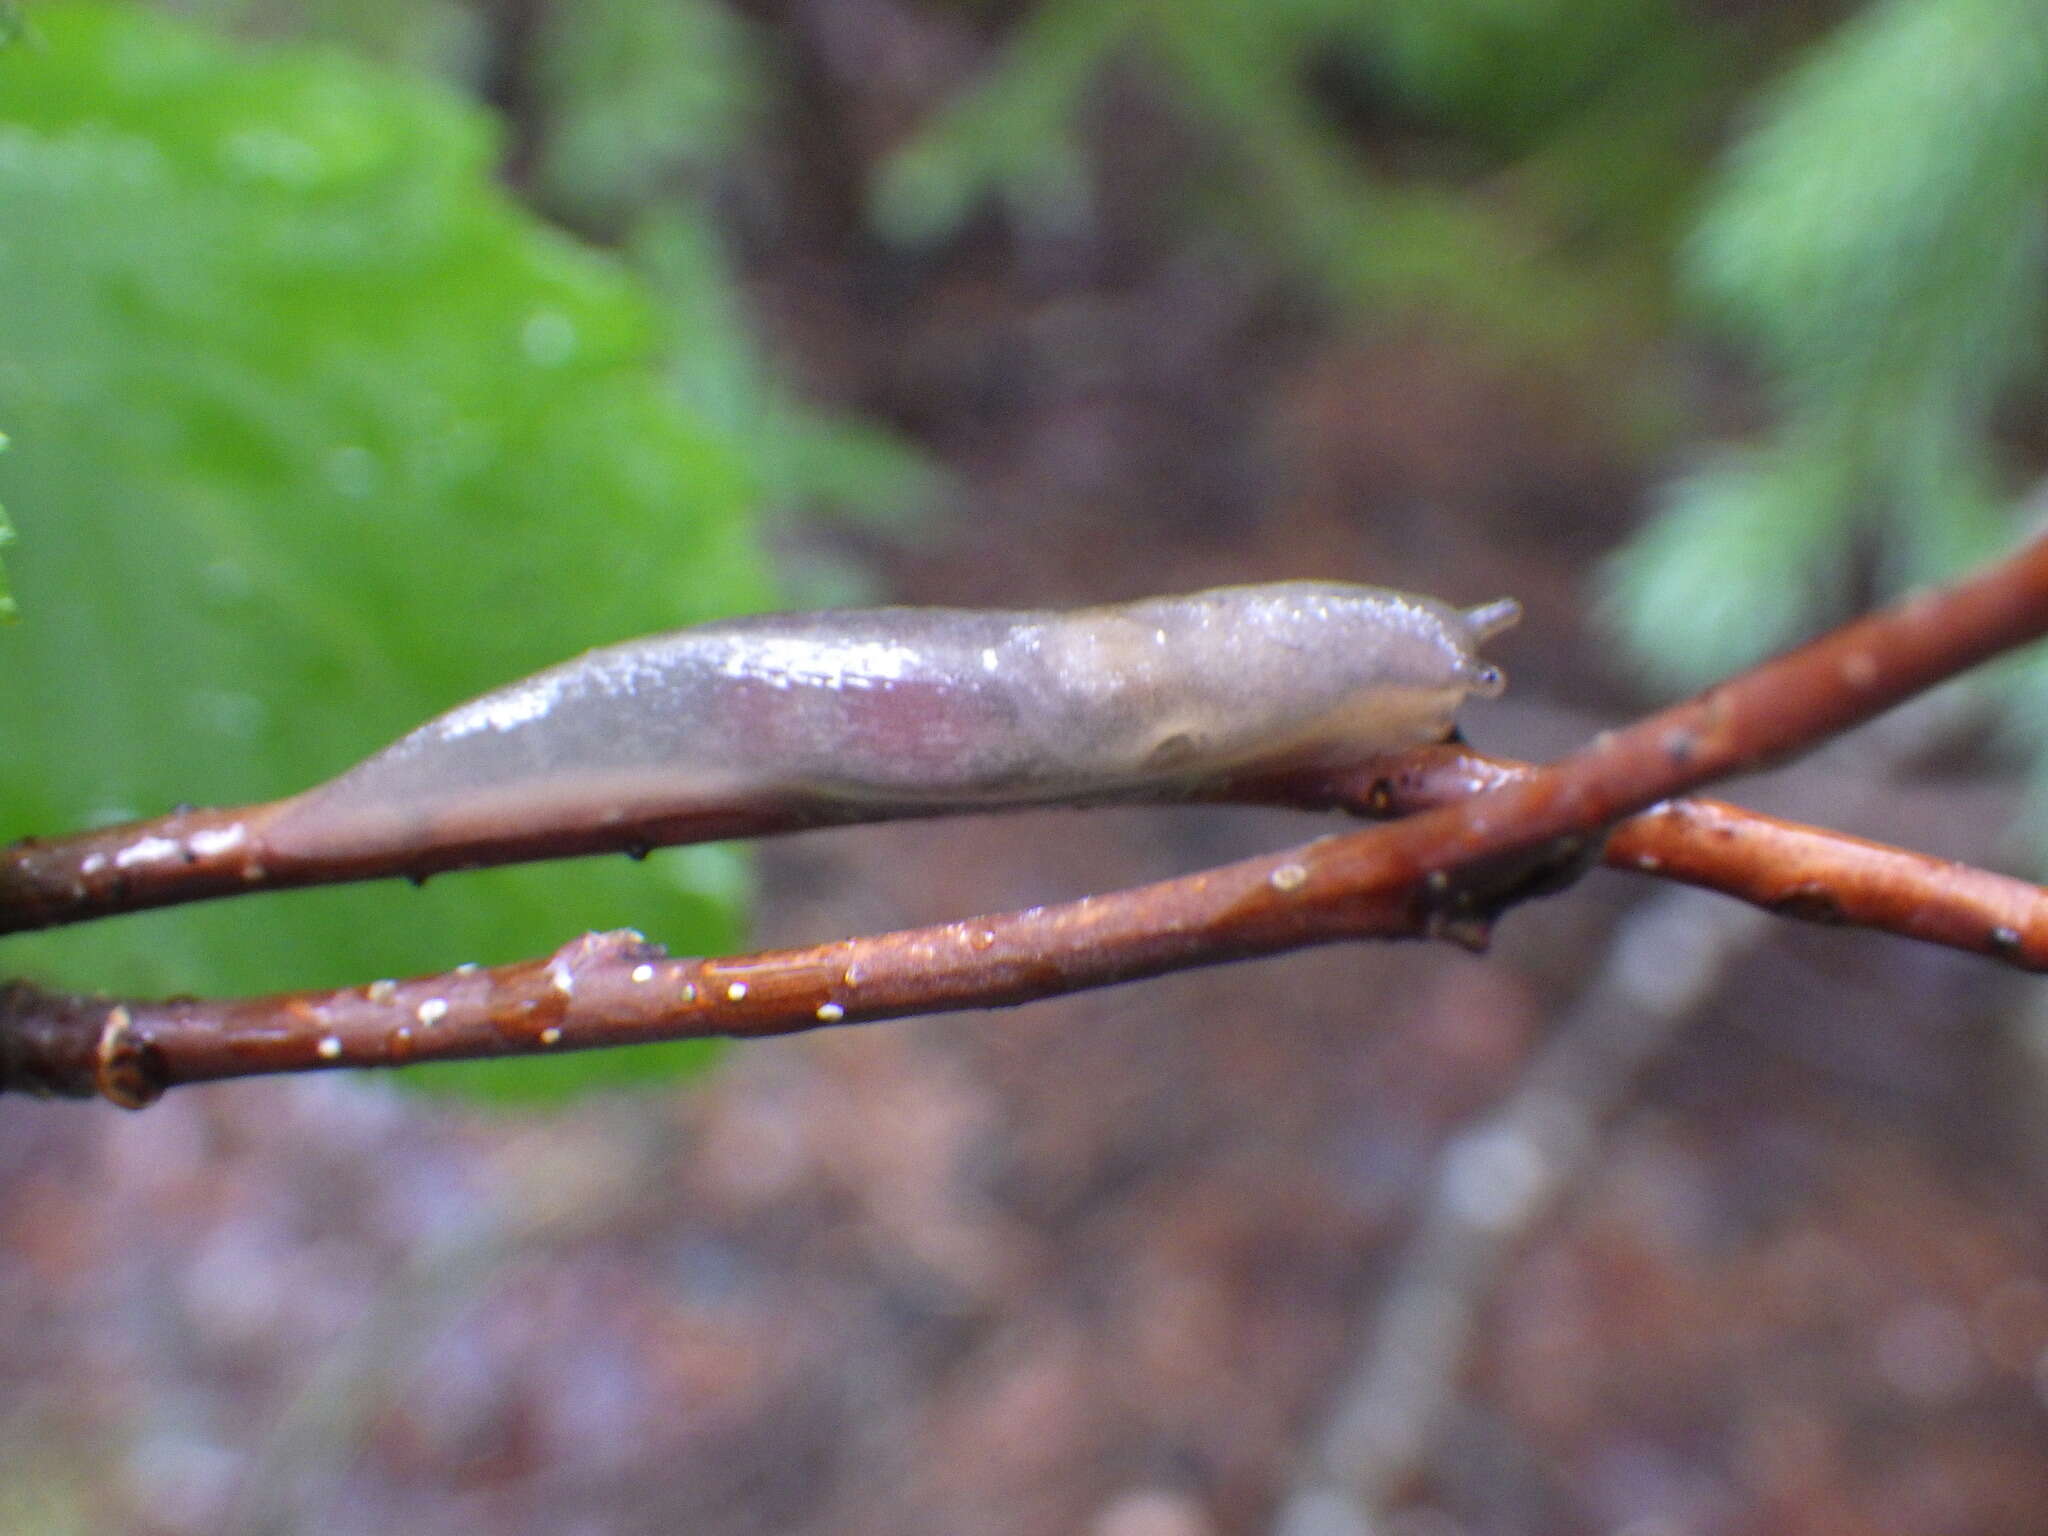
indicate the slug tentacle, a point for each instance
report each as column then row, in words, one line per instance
column 922, row 708
column 1489, row 619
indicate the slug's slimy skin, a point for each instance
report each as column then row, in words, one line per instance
column 924, row 707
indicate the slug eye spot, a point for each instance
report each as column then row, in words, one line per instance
column 1486, row 680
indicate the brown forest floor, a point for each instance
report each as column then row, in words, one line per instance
column 1101, row 1264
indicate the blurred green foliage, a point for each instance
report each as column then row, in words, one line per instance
column 1530, row 159
column 641, row 107
column 316, row 432
column 7, row 610
column 640, row 101
column 1876, row 243
column 11, row 25
column 442, row 39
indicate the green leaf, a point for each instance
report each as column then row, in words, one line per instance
column 317, row 433
column 7, row 608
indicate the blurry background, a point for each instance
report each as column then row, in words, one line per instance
column 358, row 357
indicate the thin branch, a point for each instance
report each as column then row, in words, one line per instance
column 197, row 855
column 1788, row 868
column 1443, row 872
column 1795, row 870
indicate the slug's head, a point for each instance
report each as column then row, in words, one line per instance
column 1285, row 675
column 1359, row 671
column 1480, row 625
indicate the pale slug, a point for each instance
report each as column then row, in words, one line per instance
column 924, row 707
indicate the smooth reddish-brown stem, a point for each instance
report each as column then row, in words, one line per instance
column 1810, row 873
column 196, row 855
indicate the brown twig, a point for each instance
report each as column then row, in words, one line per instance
column 1443, row 871
column 1810, row 873
column 1794, row 870
column 196, row 855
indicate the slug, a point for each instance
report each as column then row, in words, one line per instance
column 919, row 707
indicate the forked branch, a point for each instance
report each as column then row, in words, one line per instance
column 1445, row 871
